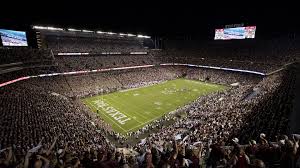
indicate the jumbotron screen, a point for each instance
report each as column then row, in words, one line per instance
column 235, row 33
column 13, row 38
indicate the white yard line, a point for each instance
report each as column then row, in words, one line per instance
column 129, row 89
column 141, row 123
column 123, row 111
column 137, row 107
column 144, row 123
column 150, row 84
column 108, row 117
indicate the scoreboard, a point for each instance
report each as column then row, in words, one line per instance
column 235, row 33
column 13, row 38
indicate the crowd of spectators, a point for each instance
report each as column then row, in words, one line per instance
column 16, row 55
column 96, row 83
column 30, row 115
column 90, row 43
column 21, row 62
column 259, row 55
column 43, row 125
column 73, row 63
column 263, row 55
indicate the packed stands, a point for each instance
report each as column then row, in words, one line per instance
column 34, row 99
column 73, row 63
column 259, row 55
column 43, row 123
column 67, row 42
column 24, row 55
column 22, row 62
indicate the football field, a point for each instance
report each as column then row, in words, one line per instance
column 129, row 110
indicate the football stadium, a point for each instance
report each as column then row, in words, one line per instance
column 87, row 91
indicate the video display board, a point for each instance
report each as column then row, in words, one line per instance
column 13, row 38
column 235, row 33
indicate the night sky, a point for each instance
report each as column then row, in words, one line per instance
column 150, row 17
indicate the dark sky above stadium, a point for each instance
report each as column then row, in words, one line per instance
column 150, row 17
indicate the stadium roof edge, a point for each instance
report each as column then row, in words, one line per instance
column 87, row 31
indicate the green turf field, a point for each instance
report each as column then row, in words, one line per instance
column 129, row 110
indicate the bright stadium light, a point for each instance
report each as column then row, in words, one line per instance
column 142, row 36
column 75, row 30
column 100, row 32
column 46, row 28
column 54, row 28
column 87, row 31
column 40, row 27
column 111, row 33
column 130, row 35
column 122, row 34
